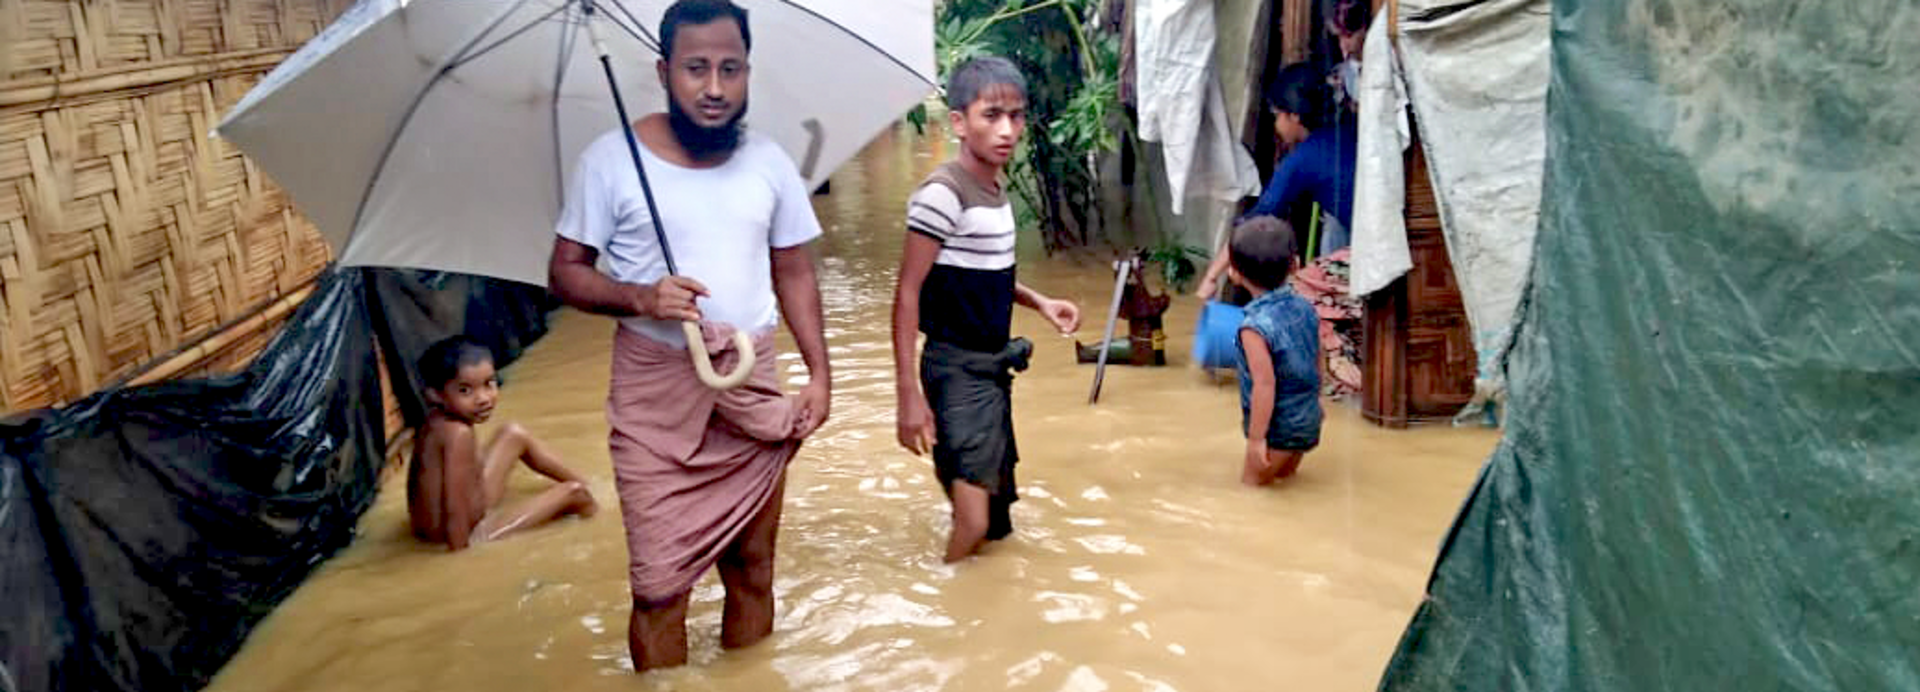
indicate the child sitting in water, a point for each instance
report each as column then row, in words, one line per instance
column 1279, row 354
column 454, row 485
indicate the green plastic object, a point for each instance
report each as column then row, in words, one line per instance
column 1313, row 235
column 1710, row 478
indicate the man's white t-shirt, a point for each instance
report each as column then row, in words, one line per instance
column 722, row 224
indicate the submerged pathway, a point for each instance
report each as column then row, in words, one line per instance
column 1140, row 563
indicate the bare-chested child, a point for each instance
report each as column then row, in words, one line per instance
column 454, row 486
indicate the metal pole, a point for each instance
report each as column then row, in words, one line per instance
column 1124, row 267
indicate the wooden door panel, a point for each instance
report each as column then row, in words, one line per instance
column 1419, row 345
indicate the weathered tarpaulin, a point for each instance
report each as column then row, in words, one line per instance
column 144, row 531
column 1708, row 479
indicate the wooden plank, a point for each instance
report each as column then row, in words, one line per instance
column 20, row 284
column 1296, row 30
column 83, row 376
column 1383, row 359
column 13, row 205
column 173, row 288
column 96, row 314
column 111, row 239
column 115, row 82
column 1419, row 361
column 44, row 208
column 166, row 12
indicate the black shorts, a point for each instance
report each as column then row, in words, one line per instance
column 971, row 394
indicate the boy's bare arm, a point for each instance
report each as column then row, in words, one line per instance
column 1064, row 315
column 1260, row 409
column 1025, row 296
column 460, row 491
column 913, row 418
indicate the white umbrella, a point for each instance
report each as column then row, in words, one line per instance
column 438, row 134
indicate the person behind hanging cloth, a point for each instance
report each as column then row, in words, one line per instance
column 700, row 472
column 1348, row 22
column 1319, row 167
column 957, row 285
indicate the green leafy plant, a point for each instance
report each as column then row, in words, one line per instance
column 918, row 119
column 1083, row 127
column 1073, row 98
column 1179, row 264
column 957, row 39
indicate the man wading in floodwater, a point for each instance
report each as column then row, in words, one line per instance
column 699, row 471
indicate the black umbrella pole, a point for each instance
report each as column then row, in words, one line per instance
column 633, row 145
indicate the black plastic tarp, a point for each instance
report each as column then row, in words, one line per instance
column 145, row 531
column 1710, row 478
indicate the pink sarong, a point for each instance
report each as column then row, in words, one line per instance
column 693, row 465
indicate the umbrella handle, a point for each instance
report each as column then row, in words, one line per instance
column 703, row 363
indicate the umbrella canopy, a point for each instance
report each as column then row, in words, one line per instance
column 439, row 134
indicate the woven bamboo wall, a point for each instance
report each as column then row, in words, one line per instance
column 125, row 231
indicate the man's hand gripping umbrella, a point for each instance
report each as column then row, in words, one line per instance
column 696, row 344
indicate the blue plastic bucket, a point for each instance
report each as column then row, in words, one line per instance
column 1215, row 340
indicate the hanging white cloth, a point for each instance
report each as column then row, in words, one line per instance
column 1380, row 253
column 1182, row 105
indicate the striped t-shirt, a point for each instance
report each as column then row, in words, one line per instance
column 967, row 300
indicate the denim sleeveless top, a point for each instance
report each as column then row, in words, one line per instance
column 1291, row 329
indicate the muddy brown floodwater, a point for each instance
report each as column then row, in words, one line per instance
column 1140, row 563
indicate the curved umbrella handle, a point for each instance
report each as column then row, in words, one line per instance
column 703, row 364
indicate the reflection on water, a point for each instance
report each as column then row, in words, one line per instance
column 1140, row 562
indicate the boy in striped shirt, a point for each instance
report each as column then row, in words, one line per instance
column 957, row 287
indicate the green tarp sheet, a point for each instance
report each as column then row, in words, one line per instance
column 1711, row 473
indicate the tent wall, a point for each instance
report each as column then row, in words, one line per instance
column 126, row 233
column 144, row 531
column 1707, row 477
column 1476, row 76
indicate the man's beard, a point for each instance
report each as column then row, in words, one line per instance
column 702, row 142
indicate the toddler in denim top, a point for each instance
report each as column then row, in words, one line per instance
column 1291, row 330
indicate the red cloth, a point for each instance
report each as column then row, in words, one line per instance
column 693, row 465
